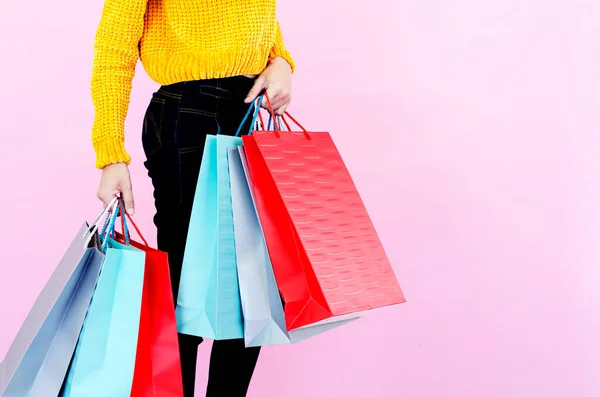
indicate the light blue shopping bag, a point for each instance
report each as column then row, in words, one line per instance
column 208, row 303
column 104, row 360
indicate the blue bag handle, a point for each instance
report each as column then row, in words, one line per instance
column 277, row 124
column 253, row 106
column 124, row 220
column 108, row 230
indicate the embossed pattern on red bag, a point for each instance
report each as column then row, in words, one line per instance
column 328, row 214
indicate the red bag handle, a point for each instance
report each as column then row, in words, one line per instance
column 277, row 130
column 286, row 123
column 124, row 213
column 272, row 113
column 294, row 120
column 137, row 230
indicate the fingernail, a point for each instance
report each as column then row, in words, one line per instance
column 130, row 211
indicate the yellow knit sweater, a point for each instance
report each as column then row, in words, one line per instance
column 176, row 40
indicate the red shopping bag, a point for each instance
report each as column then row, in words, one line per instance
column 326, row 255
column 157, row 366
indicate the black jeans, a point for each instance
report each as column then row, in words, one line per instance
column 175, row 127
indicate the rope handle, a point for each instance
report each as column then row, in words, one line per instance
column 93, row 227
column 294, row 120
column 137, row 230
column 277, row 127
column 108, row 229
column 255, row 106
column 124, row 229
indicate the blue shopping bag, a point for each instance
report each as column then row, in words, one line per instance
column 264, row 321
column 39, row 357
column 104, row 360
column 208, row 303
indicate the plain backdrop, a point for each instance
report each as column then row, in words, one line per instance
column 471, row 129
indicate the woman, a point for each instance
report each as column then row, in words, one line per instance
column 212, row 59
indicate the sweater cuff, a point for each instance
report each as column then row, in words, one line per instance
column 110, row 152
column 278, row 51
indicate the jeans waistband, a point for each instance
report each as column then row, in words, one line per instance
column 224, row 88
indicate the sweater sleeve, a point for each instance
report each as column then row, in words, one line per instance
column 279, row 50
column 115, row 57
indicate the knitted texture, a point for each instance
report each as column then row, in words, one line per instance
column 176, row 40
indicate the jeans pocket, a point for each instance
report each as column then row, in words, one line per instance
column 214, row 91
column 152, row 129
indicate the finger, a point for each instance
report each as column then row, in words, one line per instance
column 280, row 104
column 273, row 98
column 256, row 89
column 277, row 109
column 127, row 195
column 100, row 196
column 105, row 197
column 283, row 100
column 281, row 111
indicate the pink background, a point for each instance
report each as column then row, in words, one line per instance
column 471, row 128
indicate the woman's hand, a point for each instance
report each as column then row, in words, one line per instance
column 277, row 80
column 116, row 180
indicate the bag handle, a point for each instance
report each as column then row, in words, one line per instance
column 124, row 228
column 283, row 120
column 253, row 106
column 109, row 227
column 260, row 118
column 294, row 120
column 108, row 231
column 279, row 121
column 277, row 128
column 95, row 223
column 125, row 233
column 256, row 107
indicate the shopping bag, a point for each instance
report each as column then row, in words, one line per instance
column 208, row 303
column 326, row 255
column 38, row 359
column 104, row 360
column 157, row 365
column 264, row 321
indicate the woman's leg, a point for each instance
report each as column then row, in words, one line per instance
column 175, row 128
column 231, row 368
column 173, row 208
